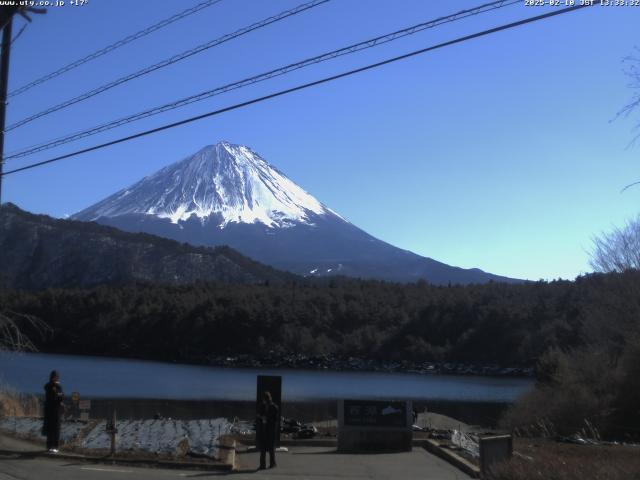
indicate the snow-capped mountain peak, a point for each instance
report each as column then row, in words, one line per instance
column 223, row 181
column 226, row 194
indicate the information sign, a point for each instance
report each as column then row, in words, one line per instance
column 372, row 413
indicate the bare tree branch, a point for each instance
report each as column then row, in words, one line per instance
column 12, row 328
column 618, row 250
column 632, row 71
column 630, row 185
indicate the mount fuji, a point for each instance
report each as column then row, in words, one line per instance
column 226, row 194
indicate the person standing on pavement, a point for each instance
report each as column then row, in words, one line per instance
column 268, row 420
column 53, row 408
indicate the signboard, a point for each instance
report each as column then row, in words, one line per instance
column 374, row 425
column 84, row 416
column 372, row 413
column 84, row 404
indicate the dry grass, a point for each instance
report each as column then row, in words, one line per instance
column 16, row 404
column 540, row 459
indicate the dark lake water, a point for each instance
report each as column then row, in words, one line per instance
column 100, row 377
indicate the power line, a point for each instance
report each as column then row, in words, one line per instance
column 118, row 44
column 264, row 76
column 301, row 87
column 169, row 61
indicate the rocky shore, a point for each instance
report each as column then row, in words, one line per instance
column 332, row 363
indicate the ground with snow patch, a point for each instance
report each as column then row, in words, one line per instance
column 161, row 437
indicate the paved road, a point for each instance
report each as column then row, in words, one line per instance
column 300, row 463
column 324, row 463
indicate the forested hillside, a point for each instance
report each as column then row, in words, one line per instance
column 492, row 323
column 37, row 251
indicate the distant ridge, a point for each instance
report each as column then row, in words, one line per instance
column 37, row 251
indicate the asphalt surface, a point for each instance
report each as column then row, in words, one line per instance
column 23, row 461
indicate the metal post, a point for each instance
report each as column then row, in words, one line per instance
column 113, row 430
column 4, row 81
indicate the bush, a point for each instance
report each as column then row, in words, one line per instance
column 540, row 460
column 589, row 391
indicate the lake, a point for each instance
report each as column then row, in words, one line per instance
column 99, row 377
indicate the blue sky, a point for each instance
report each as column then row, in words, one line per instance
column 498, row 153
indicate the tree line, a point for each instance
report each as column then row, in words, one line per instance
column 491, row 323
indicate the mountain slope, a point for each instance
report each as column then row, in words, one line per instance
column 37, row 251
column 226, row 194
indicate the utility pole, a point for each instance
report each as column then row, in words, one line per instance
column 6, row 23
column 4, row 82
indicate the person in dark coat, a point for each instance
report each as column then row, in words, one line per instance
column 268, row 423
column 53, row 408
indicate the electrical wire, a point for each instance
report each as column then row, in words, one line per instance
column 114, row 46
column 301, row 87
column 169, row 61
column 373, row 42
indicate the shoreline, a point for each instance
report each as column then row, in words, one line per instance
column 356, row 364
column 331, row 363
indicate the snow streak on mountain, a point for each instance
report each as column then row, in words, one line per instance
column 226, row 181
